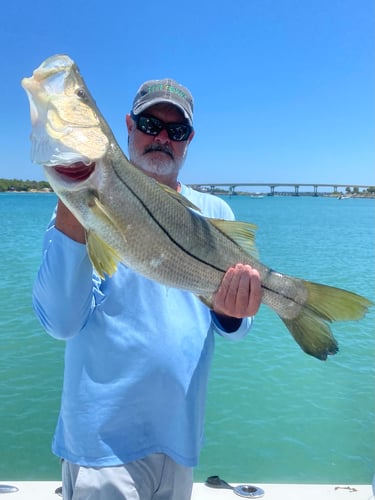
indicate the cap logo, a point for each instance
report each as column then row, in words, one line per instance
column 170, row 88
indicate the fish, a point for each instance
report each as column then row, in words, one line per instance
column 131, row 218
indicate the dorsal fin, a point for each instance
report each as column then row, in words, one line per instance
column 179, row 197
column 242, row 233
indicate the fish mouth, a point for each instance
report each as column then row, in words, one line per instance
column 76, row 172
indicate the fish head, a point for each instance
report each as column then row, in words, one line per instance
column 68, row 135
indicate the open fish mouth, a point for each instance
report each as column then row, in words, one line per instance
column 77, row 172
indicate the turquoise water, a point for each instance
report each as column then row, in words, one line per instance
column 274, row 414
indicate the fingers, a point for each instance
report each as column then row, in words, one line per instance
column 240, row 292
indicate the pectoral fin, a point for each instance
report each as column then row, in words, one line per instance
column 104, row 258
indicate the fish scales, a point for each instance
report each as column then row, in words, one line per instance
column 178, row 259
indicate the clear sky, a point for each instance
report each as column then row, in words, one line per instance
column 283, row 89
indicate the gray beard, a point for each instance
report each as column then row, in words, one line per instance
column 157, row 159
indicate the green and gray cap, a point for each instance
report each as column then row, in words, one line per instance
column 167, row 90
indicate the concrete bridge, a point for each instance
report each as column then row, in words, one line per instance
column 313, row 188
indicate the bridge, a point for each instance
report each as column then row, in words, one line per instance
column 231, row 187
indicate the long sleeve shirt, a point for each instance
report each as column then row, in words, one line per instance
column 137, row 355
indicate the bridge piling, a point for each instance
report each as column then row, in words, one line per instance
column 212, row 187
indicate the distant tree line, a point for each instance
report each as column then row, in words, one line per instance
column 21, row 185
column 355, row 190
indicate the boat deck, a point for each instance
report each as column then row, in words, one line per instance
column 45, row 490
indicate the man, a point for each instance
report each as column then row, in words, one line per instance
column 137, row 353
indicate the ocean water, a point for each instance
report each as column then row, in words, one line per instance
column 274, row 414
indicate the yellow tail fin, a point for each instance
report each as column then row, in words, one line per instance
column 324, row 304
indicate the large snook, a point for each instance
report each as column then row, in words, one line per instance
column 131, row 218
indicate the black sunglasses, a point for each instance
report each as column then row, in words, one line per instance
column 150, row 125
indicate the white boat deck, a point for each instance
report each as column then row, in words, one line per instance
column 45, row 490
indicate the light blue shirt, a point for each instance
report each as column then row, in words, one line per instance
column 137, row 355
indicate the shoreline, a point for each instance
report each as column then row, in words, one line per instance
column 257, row 195
column 29, row 191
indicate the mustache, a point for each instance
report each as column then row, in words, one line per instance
column 164, row 148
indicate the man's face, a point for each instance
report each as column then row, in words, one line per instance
column 158, row 155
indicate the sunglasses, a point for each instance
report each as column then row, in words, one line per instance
column 150, row 125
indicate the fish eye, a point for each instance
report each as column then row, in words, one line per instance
column 81, row 93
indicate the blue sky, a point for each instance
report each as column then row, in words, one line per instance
column 283, row 89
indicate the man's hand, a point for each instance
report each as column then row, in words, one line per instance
column 239, row 294
column 68, row 224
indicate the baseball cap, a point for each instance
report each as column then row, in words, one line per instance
column 166, row 90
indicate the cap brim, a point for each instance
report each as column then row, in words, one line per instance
column 159, row 100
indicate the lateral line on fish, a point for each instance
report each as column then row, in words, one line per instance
column 163, row 229
column 276, row 292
